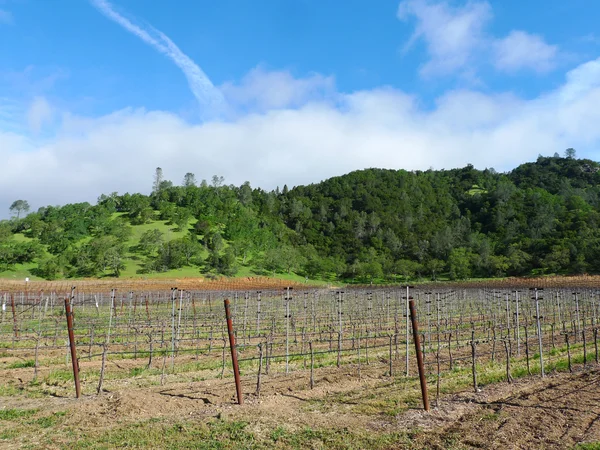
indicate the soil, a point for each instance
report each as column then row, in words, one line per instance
column 155, row 284
column 555, row 412
column 265, row 283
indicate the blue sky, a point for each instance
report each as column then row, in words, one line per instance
column 286, row 91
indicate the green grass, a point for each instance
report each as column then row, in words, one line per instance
column 20, row 272
column 49, row 421
column 133, row 260
column 22, row 364
column 221, row 434
column 16, row 414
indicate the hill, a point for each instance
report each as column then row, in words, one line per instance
column 368, row 225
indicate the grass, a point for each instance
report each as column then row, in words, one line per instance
column 16, row 414
column 222, row 434
column 22, row 364
column 25, row 428
column 49, row 421
column 133, row 260
column 386, row 399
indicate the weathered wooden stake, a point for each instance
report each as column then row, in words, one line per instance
column 415, row 327
column 584, row 346
column 596, row 343
column 74, row 359
column 104, row 350
column 234, row 359
column 391, row 365
column 568, row 351
column 474, row 360
column 260, row 364
column 509, row 377
column 312, row 365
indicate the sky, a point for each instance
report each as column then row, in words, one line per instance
column 95, row 94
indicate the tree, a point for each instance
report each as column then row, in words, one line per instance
column 245, row 194
column 181, row 218
column 19, row 206
column 435, row 266
column 460, row 264
column 158, row 179
column 217, row 181
column 189, row 179
column 150, row 241
column 225, row 263
column 570, row 153
column 114, row 260
column 406, row 268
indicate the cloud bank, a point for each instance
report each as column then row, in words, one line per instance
column 296, row 138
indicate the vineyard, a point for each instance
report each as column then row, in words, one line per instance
column 469, row 337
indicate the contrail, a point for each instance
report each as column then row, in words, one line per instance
column 201, row 86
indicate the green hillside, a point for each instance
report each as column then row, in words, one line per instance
column 371, row 225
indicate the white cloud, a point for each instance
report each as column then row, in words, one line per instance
column 5, row 16
column 39, row 113
column 520, row 50
column 202, row 88
column 261, row 90
column 452, row 35
column 316, row 140
column 457, row 41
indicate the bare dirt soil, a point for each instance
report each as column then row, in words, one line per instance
column 141, row 285
column 258, row 283
column 556, row 412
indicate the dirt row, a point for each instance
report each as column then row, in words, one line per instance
column 259, row 283
column 555, row 412
column 149, row 285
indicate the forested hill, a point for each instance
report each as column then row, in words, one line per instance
column 374, row 224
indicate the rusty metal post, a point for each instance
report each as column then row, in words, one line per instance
column 234, row 360
column 415, row 327
column 74, row 359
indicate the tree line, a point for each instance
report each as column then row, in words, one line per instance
column 368, row 225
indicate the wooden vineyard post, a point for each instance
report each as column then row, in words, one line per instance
column 358, row 356
column 312, row 365
column 112, row 309
column 539, row 330
column 584, row 345
column 408, row 298
column 14, row 313
column 287, row 329
column 340, row 331
column 260, row 365
column 234, row 359
column 527, row 348
column 518, row 337
column 568, row 351
column 74, row 359
column 173, row 298
column 415, row 327
column 101, row 381
column 596, row 344
column 391, row 360
column 509, row 377
column 474, row 359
